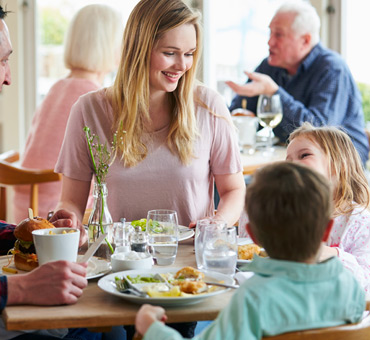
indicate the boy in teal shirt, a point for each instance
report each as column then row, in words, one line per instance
column 289, row 208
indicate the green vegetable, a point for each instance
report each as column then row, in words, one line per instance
column 142, row 279
column 142, row 223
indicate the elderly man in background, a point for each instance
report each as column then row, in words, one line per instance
column 314, row 83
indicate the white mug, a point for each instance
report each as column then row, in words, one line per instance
column 56, row 244
column 247, row 131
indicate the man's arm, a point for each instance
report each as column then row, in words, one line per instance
column 53, row 283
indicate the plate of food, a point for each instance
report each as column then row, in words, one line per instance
column 97, row 267
column 184, row 232
column 165, row 286
column 247, row 249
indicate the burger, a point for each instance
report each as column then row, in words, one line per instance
column 25, row 257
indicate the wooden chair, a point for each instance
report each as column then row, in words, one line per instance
column 12, row 174
column 359, row 331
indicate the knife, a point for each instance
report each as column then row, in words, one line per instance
column 92, row 249
column 221, row 285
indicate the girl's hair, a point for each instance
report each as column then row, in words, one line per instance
column 93, row 39
column 351, row 187
column 306, row 21
column 148, row 21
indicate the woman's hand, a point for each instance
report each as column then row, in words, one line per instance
column 65, row 219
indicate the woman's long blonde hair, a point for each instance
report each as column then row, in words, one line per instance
column 345, row 165
column 149, row 20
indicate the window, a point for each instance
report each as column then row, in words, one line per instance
column 355, row 48
column 53, row 19
column 236, row 36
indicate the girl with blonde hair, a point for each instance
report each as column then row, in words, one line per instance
column 330, row 151
column 176, row 136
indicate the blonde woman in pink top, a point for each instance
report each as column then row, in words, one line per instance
column 91, row 51
column 178, row 138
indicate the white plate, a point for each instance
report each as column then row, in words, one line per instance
column 97, row 267
column 185, row 233
column 242, row 241
column 105, row 283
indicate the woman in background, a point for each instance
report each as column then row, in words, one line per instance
column 92, row 47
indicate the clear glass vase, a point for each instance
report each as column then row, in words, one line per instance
column 100, row 220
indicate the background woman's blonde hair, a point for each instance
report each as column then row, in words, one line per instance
column 148, row 21
column 345, row 165
column 93, row 39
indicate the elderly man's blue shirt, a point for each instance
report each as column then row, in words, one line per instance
column 322, row 92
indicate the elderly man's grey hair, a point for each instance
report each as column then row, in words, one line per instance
column 306, row 20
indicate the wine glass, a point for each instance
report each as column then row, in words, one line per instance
column 270, row 114
column 162, row 231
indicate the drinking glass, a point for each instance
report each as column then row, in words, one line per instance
column 270, row 114
column 199, row 237
column 247, row 130
column 121, row 233
column 220, row 249
column 162, row 230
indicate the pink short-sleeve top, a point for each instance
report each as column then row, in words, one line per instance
column 160, row 181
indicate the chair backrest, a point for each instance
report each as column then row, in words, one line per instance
column 358, row 331
column 13, row 174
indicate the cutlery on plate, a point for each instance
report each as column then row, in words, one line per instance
column 162, row 279
column 128, row 285
column 221, row 285
column 125, row 290
column 92, row 249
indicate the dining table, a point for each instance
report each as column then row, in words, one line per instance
column 259, row 158
column 99, row 311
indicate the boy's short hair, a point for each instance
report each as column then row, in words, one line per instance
column 289, row 207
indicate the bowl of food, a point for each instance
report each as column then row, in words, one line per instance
column 56, row 244
column 131, row 260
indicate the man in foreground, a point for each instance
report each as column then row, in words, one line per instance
column 53, row 283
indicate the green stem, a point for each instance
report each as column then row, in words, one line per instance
column 101, row 219
column 87, row 132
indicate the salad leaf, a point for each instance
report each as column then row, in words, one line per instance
column 142, row 279
column 142, row 223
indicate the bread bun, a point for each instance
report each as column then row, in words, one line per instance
column 23, row 230
column 25, row 257
column 24, row 262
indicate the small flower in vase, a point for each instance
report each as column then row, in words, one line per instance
column 102, row 157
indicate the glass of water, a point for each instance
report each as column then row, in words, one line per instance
column 199, row 237
column 162, row 230
column 220, row 249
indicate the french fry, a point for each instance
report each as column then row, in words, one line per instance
column 10, row 270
